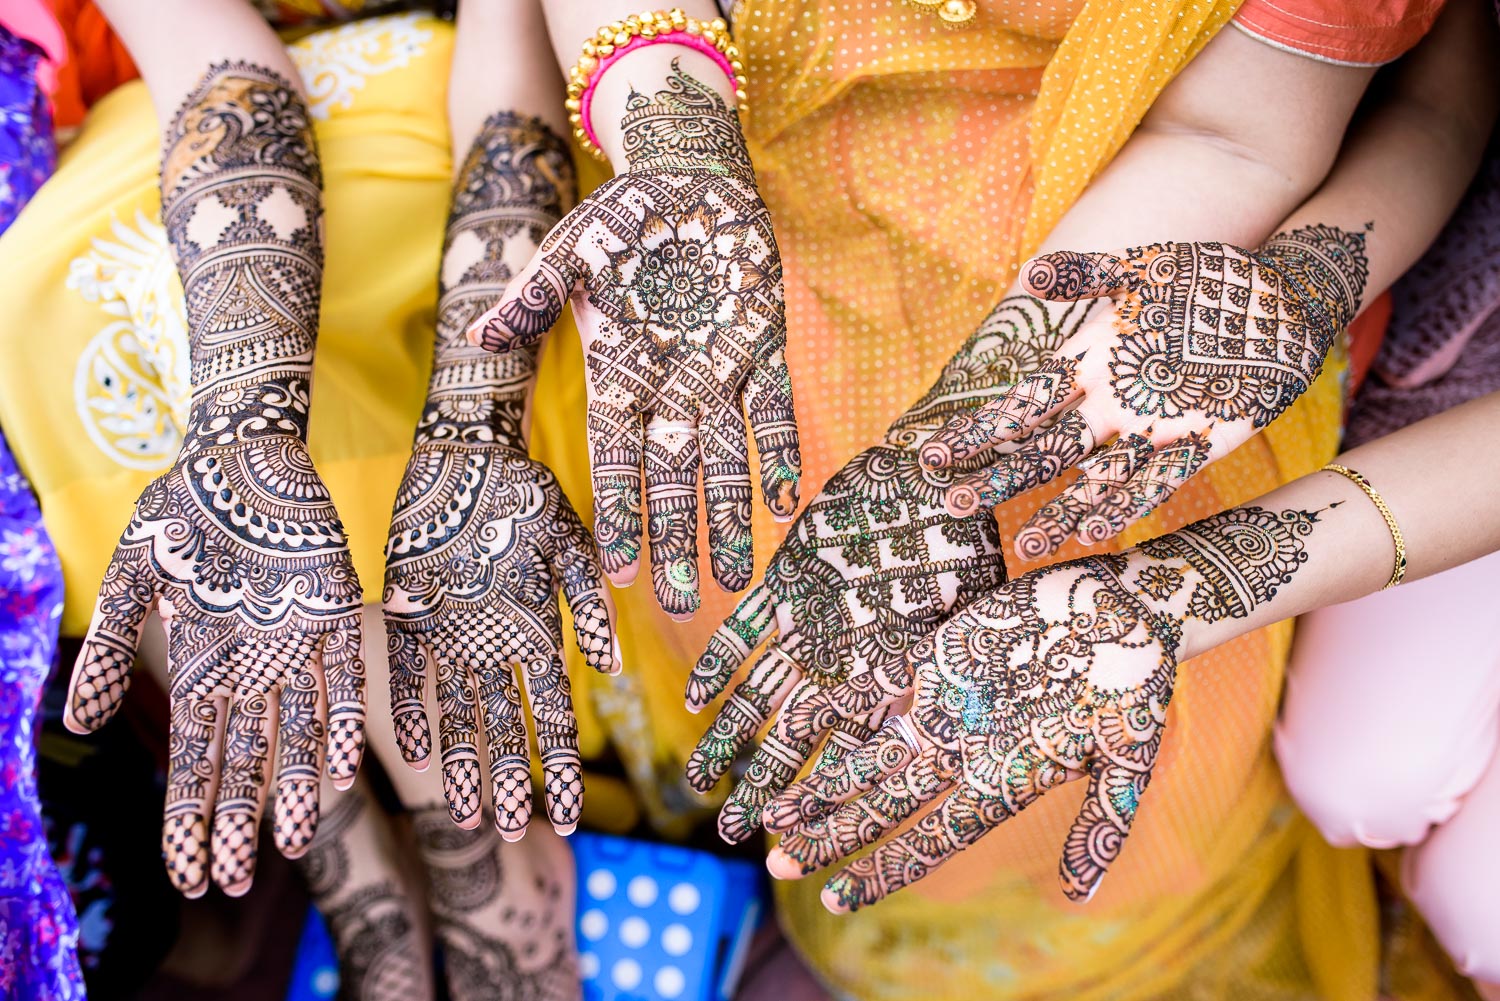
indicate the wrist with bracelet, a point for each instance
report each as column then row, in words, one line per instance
column 619, row 38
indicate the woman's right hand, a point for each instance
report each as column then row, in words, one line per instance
column 675, row 280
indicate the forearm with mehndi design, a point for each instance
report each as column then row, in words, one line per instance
column 516, row 182
column 1063, row 673
column 238, row 541
column 482, row 536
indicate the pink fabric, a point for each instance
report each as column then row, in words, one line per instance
column 1389, row 734
column 586, row 99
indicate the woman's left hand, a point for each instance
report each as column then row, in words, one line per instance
column 1062, row 673
column 1207, row 344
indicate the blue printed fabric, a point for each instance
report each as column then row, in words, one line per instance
column 38, row 927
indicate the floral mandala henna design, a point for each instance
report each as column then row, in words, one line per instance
column 1064, row 673
column 503, row 921
column 483, row 537
column 238, row 543
column 677, row 286
column 1209, row 342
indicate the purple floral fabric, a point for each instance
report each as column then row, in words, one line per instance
column 38, row 926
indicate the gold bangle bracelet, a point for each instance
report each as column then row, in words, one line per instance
column 1398, row 572
column 709, row 37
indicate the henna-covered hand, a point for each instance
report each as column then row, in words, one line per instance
column 871, row 567
column 238, row 544
column 1206, row 344
column 483, row 537
column 1063, row 673
column 675, row 280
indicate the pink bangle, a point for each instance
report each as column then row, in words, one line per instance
column 612, row 41
column 586, row 100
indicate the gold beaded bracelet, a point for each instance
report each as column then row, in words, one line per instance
column 613, row 40
column 1398, row 572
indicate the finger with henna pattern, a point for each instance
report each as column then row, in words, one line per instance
column 551, row 698
column 499, row 708
column 820, row 843
column 1067, row 276
column 768, row 400
column 241, row 798
column 575, row 565
column 725, row 451
column 672, row 463
column 343, row 664
column 301, row 746
column 458, row 740
column 409, row 658
column 194, row 753
column 745, row 711
column 890, row 750
column 746, row 628
column 534, row 300
column 1015, row 413
column 101, row 676
column 1102, row 490
column 1039, row 461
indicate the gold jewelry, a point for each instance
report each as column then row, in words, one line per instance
column 613, row 40
column 953, row 13
column 1398, row 572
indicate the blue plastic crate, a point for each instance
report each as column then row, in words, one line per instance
column 662, row 923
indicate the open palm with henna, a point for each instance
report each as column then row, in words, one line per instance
column 871, row 567
column 1207, row 344
column 675, row 280
column 483, row 537
column 238, row 544
column 1064, row 673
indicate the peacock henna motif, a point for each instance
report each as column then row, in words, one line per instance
column 238, row 544
column 1208, row 344
column 482, row 537
column 676, row 282
column 1064, row 673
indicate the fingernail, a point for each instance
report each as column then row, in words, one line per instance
column 511, row 837
column 831, row 901
column 565, row 829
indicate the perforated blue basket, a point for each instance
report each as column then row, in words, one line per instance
column 662, row 923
